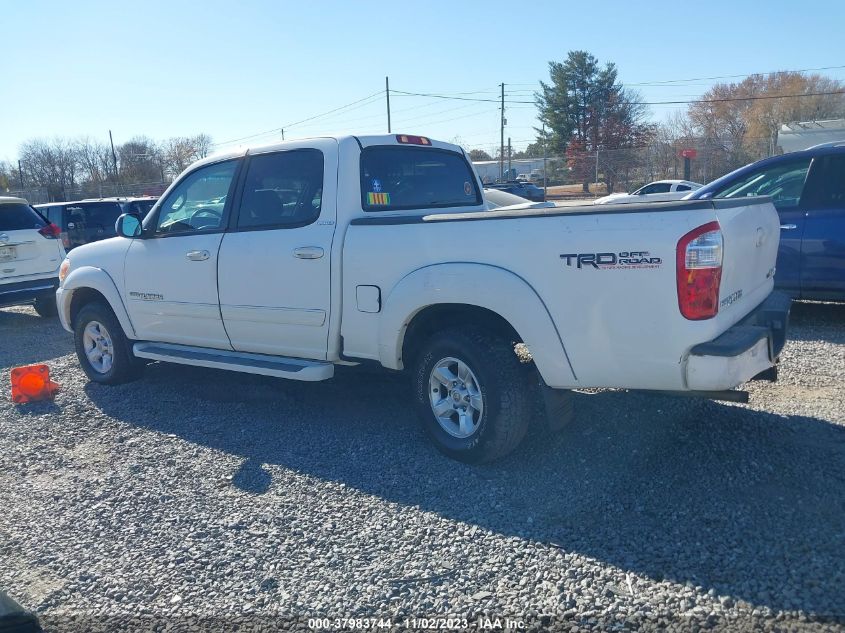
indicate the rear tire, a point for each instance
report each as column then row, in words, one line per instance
column 104, row 352
column 46, row 307
column 474, row 397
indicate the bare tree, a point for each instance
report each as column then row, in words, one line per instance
column 94, row 160
column 179, row 152
column 140, row 160
column 50, row 164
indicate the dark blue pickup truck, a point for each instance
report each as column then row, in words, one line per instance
column 808, row 190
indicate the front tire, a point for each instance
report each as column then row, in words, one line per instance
column 474, row 397
column 103, row 350
column 46, row 307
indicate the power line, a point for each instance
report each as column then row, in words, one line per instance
column 674, row 81
column 722, row 100
column 295, row 123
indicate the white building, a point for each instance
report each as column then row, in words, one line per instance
column 794, row 137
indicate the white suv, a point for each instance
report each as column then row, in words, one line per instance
column 30, row 255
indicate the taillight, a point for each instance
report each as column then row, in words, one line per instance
column 50, row 231
column 699, row 270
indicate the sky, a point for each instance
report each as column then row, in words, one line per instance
column 249, row 68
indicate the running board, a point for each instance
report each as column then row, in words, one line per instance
column 281, row 367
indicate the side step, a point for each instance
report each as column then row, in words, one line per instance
column 281, row 367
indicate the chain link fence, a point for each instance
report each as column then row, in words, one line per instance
column 39, row 195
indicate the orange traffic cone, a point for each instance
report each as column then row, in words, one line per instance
column 32, row 383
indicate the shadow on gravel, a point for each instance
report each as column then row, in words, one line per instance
column 26, row 338
column 817, row 321
column 681, row 490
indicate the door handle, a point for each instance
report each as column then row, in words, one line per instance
column 197, row 256
column 308, row 252
column 788, row 227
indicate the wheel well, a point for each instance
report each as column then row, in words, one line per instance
column 81, row 297
column 449, row 315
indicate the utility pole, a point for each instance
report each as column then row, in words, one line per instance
column 502, row 143
column 597, row 171
column 283, row 133
column 387, row 95
column 509, row 156
column 113, row 155
column 545, row 190
column 20, row 174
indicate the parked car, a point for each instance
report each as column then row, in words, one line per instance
column 523, row 178
column 497, row 199
column 523, row 189
column 808, row 191
column 653, row 192
column 30, row 255
column 91, row 220
column 382, row 249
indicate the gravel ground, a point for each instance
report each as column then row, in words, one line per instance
column 206, row 498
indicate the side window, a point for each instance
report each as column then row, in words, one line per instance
column 54, row 214
column 826, row 185
column 198, row 201
column 658, row 187
column 682, row 188
column 283, row 189
column 784, row 182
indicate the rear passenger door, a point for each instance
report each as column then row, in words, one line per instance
column 275, row 260
column 823, row 244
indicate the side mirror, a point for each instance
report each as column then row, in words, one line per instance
column 129, row 225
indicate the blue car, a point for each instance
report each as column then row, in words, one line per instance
column 808, row 191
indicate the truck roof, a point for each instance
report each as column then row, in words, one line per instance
column 364, row 140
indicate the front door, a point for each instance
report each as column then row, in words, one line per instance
column 823, row 244
column 275, row 262
column 784, row 182
column 171, row 272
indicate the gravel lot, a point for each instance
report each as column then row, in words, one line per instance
column 197, row 494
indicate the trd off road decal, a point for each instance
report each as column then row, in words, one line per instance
column 612, row 261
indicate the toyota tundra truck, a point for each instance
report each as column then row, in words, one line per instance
column 290, row 259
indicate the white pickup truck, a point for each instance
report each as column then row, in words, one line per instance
column 289, row 259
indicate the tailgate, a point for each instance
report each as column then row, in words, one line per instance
column 27, row 253
column 751, row 234
column 23, row 250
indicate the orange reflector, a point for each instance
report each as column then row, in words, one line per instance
column 32, row 383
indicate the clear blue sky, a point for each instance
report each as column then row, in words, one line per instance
column 231, row 69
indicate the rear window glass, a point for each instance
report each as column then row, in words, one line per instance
column 102, row 215
column 395, row 178
column 17, row 217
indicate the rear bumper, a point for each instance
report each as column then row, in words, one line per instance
column 26, row 291
column 748, row 348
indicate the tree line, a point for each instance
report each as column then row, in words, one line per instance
column 62, row 165
column 598, row 125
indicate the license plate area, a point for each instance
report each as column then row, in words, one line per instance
column 8, row 253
